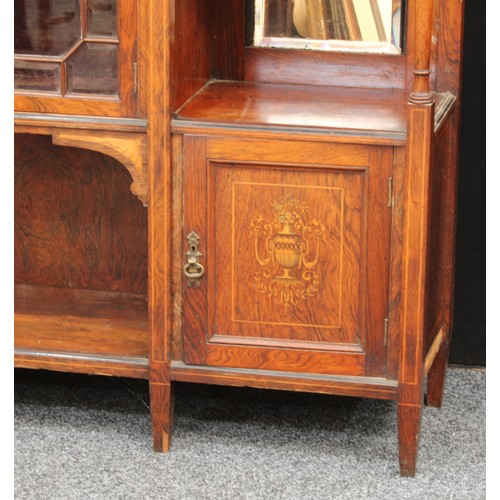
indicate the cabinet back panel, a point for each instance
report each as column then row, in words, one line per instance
column 227, row 26
column 76, row 222
column 325, row 68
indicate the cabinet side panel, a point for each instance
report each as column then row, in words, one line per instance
column 441, row 235
column 76, row 222
column 450, row 42
column 190, row 51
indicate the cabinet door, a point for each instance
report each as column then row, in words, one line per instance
column 75, row 56
column 294, row 241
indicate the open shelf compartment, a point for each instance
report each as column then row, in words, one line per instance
column 81, row 262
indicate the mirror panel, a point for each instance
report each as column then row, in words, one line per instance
column 348, row 25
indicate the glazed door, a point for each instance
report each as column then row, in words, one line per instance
column 287, row 255
column 76, row 56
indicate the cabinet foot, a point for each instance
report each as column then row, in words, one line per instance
column 436, row 378
column 409, row 417
column 162, row 404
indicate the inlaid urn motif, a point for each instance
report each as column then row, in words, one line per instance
column 287, row 249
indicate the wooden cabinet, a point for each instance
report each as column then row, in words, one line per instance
column 299, row 228
column 294, row 238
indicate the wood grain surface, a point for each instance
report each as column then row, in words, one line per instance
column 366, row 387
column 83, row 321
column 357, row 115
column 77, row 224
column 157, row 45
column 247, row 307
column 299, row 106
column 305, row 67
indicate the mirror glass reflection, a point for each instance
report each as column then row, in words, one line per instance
column 352, row 25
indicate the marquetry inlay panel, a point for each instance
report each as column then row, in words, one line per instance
column 288, row 263
column 287, row 249
column 293, row 248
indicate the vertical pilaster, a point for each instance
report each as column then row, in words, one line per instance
column 415, row 239
column 158, row 111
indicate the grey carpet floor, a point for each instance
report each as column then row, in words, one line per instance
column 80, row 437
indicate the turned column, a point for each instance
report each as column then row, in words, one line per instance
column 418, row 163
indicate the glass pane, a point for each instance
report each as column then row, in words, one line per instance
column 93, row 69
column 101, row 17
column 46, row 27
column 317, row 23
column 37, row 76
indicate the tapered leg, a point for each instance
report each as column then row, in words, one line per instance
column 162, row 404
column 436, row 377
column 409, row 417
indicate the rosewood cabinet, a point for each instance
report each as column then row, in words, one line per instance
column 296, row 229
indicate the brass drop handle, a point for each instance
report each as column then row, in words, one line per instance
column 193, row 270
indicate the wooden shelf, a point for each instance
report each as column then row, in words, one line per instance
column 356, row 114
column 307, row 109
column 101, row 331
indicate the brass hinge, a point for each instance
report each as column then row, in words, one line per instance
column 136, row 77
column 390, row 200
column 386, row 331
